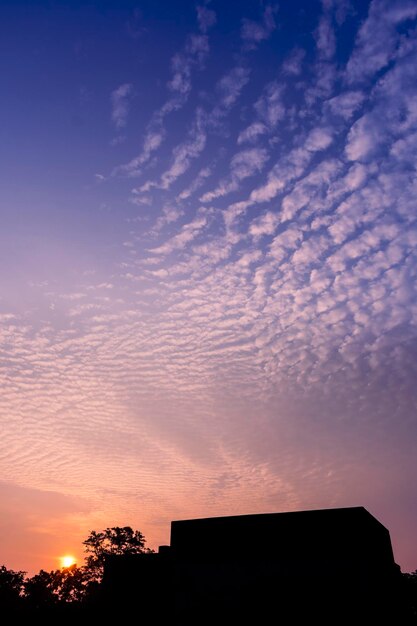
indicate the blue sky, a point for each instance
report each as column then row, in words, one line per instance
column 208, row 265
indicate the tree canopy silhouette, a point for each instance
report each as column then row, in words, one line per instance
column 68, row 584
column 11, row 587
column 71, row 587
column 115, row 540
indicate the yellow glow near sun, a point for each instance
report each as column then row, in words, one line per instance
column 67, row 560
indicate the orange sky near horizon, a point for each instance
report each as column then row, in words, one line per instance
column 35, row 545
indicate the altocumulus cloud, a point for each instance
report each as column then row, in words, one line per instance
column 257, row 348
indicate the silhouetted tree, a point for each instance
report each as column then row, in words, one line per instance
column 11, row 587
column 41, row 590
column 70, row 588
column 115, row 540
column 73, row 583
column 46, row 589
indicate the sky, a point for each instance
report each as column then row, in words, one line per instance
column 208, row 266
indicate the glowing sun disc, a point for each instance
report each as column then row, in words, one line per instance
column 67, row 561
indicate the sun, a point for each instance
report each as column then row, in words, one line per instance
column 67, row 560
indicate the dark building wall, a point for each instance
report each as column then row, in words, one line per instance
column 349, row 534
column 310, row 564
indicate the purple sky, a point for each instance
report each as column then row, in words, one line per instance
column 208, row 266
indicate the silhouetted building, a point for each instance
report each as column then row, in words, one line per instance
column 334, row 564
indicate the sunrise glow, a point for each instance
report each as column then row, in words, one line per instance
column 67, row 561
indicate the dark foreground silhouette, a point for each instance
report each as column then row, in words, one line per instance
column 332, row 566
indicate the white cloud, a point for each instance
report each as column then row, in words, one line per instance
column 187, row 233
column 252, row 132
column 254, row 32
column 293, row 63
column 405, row 149
column 120, row 99
column 269, row 106
column 196, row 51
column 206, row 18
column 231, row 85
column 183, row 155
column 194, row 54
column 325, row 38
column 346, row 104
column 243, row 165
column 286, row 170
column 198, row 181
column 170, row 214
column 264, row 225
column 319, row 139
column 363, row 139
column 285, row 242
column 248, row 162
column 269, row 111
column 377, row 38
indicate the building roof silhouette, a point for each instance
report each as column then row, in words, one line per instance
column 338, row 534
column 302, row 564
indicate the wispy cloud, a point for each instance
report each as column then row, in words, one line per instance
column 229, row 88
column 198, row 181
column 293, row 63
column 120, row 99
column 206, row 18
column 253, row 33
column 243, row 165
column 378, row 38
column 269, row 111
column 193, row 55
column 346, row 103
column 325, row 38
column 182, row 155
column 187, row 234
column 251, row 133
column 283, row 172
